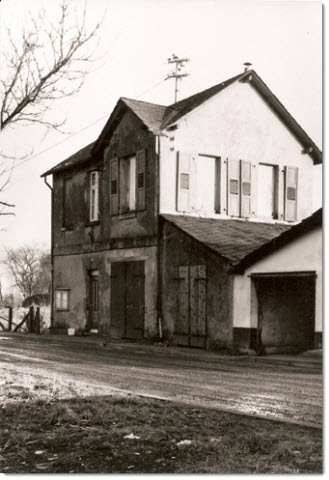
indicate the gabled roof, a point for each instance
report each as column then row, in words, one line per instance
column 159, row 117
column 309, row 146
column 151, row 114
column 76, row 159
column 181, row 108
column 296, row 231
column 231, row 239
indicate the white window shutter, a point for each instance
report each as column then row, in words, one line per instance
column 233, row 187
column 253, row 200
column 183, row 181
column 245, row 175
column 291, row 177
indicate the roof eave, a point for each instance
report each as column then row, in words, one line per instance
column 309, row 146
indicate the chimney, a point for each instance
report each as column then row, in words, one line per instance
column 247, row 66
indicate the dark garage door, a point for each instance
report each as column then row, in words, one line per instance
column 286, row 311
column 127, row 299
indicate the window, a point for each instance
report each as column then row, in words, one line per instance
column 267, row 191
column 206, row 196
column 127, row 184
column 94, row 197
column 62, row 299
column 67, row 203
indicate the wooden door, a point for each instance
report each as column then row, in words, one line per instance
column 118, row 294
column 93, row 299
column 135, row 300
column 127, row 299
column 191, row 324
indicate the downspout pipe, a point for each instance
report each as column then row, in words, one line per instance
column 159, row 298
column 51, row 255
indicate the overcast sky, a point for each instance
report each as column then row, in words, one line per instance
column 282, row 39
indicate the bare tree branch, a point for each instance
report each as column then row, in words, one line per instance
column 48, row 60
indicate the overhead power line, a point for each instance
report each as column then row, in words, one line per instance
column 70, row 136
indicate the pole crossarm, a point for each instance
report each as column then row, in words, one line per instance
column 179, row 64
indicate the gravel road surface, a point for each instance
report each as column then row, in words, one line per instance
column 180, row 374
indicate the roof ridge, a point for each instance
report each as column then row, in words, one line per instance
column 210, row 88
column 143, row 101
column 174, row 105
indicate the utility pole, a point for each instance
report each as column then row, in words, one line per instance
column 179, row 64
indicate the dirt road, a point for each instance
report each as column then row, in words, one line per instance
column 191, row 376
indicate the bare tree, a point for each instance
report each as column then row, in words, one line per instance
column 29, row 268
column 46, row 60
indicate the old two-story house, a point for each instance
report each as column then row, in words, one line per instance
column 153, row 222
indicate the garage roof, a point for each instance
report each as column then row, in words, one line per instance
column 232, row 239
column 296, row 231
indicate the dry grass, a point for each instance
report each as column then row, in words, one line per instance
column 52, row 426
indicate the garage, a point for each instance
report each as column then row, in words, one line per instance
column 277, row 292
column 286, row 312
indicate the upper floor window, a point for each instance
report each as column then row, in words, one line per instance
column 127, row 183
column 262, row 190
column 67, row 203
column 267, row 191
column 94, row 196
column 198, row 183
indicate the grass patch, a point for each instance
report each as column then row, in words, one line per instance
column 53, row 426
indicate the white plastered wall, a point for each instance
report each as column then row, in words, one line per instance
column 235, row 123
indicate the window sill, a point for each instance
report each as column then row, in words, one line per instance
column 92, row 223
column 125, row 215
column 62, row 309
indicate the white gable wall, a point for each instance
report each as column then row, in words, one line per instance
column 302, row 254
column 238, row 124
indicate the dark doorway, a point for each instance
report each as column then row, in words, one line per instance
column 286, row 313
column 93, row 299
column 190, row 324
column 127, row 299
